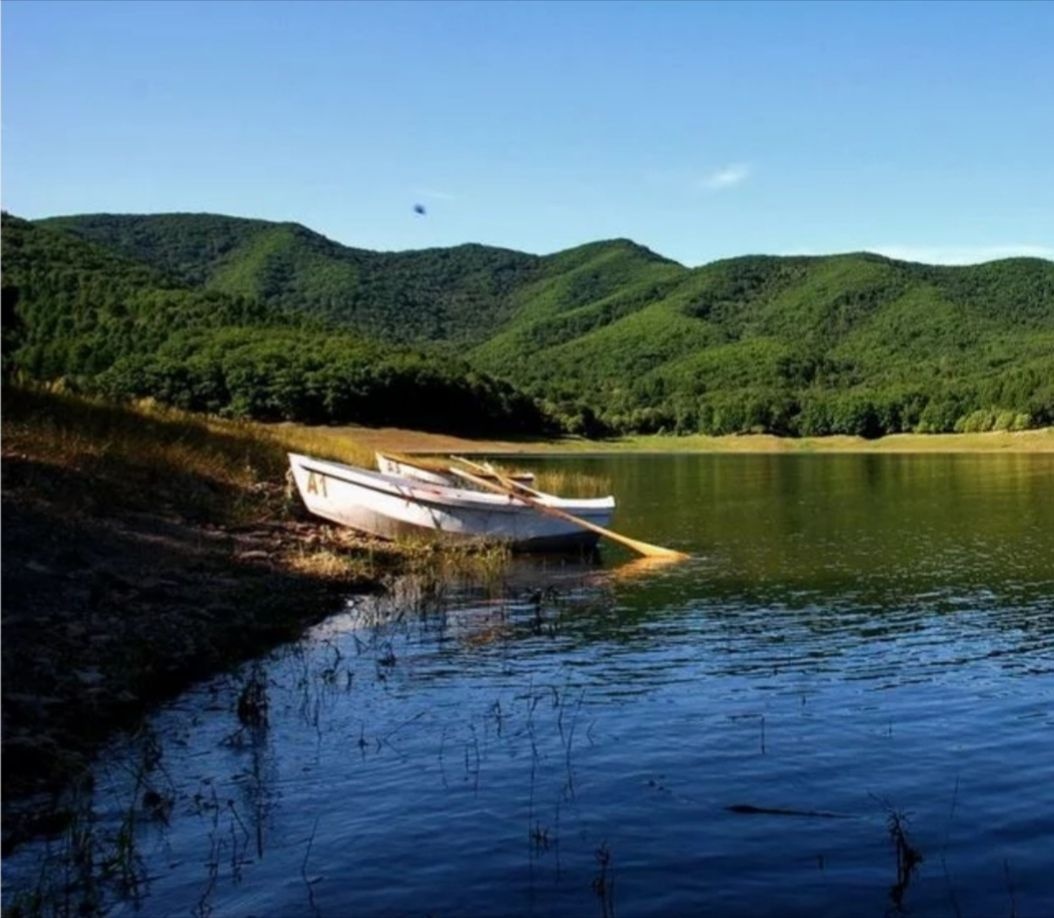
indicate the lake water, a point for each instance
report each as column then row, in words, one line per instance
column 860, row 651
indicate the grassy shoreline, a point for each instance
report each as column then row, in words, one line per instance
column 359, row 442
column 144, row 549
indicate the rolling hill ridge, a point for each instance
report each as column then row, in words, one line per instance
column 102, row 322
column 612, row 336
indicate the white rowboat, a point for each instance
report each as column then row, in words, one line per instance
column 391, row 505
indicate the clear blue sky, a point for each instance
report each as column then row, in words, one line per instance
column 700, row 130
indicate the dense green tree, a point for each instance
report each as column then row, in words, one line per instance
column 104, row 323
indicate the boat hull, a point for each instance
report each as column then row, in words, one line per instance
column 391, row 506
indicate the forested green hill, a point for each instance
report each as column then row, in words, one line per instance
column 434, row 294
column 851, row 343
column 461, row 294
column 103, row 322
column 614, row 337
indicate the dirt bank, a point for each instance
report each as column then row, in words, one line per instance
column 142, row 551
column 105, row 615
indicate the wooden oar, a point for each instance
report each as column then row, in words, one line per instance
column 488, row 471
column 512, row 489
column 438, row 467
column 492, row 472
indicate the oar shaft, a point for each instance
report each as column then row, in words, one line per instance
column 523, row 498
column 509, row 488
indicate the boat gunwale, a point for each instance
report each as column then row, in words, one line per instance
column 439, row 470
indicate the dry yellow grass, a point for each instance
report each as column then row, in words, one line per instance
column 572, row 484
column 366, row 440
column 342, row 444
column 146, row 457
column 76, row 432
column 473, row 559
column 326, row 564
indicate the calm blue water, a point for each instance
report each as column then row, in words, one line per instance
column 855, row 638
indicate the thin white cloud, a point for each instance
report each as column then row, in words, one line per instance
column 728, row 177
column 434, row 194
column 963, row 254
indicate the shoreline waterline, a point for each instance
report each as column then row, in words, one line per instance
column 1039, row 440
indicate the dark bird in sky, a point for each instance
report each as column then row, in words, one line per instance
column 420, row 209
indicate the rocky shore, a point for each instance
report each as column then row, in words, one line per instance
column 103, row 616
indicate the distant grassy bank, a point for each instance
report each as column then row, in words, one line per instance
column 352, row 442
